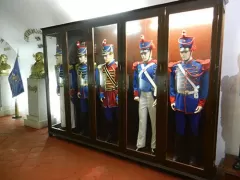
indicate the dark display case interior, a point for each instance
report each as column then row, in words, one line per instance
column 141, row 114
column 107, row 122
column 192, row 51
column 78, row 81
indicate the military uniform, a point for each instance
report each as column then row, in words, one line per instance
column 189, row 81
column 145, row 88
column 109, row 89
column 60, row 90
column 82, row 89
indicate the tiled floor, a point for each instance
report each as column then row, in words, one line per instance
column 29, row 154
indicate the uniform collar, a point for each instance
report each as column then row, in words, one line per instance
column 187, row 62
column 151, row 61
column 111, row 62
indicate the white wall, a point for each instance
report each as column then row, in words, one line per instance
column 17, row 16
column 229, row 113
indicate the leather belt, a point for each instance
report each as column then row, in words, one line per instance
column 186, row 92
column 110, row 89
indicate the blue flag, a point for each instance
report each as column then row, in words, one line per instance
column 15, row 80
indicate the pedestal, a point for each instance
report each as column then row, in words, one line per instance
column 37, row 104
column 6, row 100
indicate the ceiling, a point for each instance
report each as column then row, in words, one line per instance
column 18, row 16
column 36, row 14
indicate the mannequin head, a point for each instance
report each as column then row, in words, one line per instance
column 186, row 54
column 38, row 57
column 146, row 55
column 3, row 59
column 108, row 58
column 59, row 59
column 58, row 55
column 146, row 48
column 82, row 52
column 107, row 51
column 186, row 45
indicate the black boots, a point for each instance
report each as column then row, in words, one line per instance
column 84, row 124
column 179, row 148
column 109, row 131
column 186, row 152
column 193, row 147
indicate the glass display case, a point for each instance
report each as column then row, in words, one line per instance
column 56, row 81
column 141, row 54
column 189, row 55
column 106, row 78
column 142, row 84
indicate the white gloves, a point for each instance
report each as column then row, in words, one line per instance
column 197, row 110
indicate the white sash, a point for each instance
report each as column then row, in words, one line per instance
column 189, row 80
column 144, row 70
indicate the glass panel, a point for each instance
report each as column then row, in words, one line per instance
column 56, row 80
column 78, row 81
column 188, row 84
column 141, row 87
column 105, row 38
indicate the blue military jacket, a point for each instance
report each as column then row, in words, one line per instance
column 181, row 90
column 72, row 80
column 82, row 80
column 140, row 81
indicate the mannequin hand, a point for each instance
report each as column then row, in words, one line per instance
column 173, row 106
column 136, row 98
column 198, row 109
column 154, row 103
column 78, row 95
column 101, row 96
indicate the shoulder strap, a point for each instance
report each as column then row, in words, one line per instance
column 144, row 70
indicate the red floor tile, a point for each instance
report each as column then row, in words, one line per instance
column 27, row 154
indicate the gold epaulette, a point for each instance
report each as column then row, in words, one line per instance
column 57, row 65
column 70, row 67
column 77, row 66
column 100, row 66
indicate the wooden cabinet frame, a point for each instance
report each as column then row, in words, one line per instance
column 162, row 12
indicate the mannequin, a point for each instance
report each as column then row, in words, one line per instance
column 109, row 89
column 4, row 66
column 82, row 94
column 60, row 88
column 145, row 91
column 37, row 69
column 189, row 79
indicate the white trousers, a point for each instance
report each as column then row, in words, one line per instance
column 62, row 110
column 145, row 105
